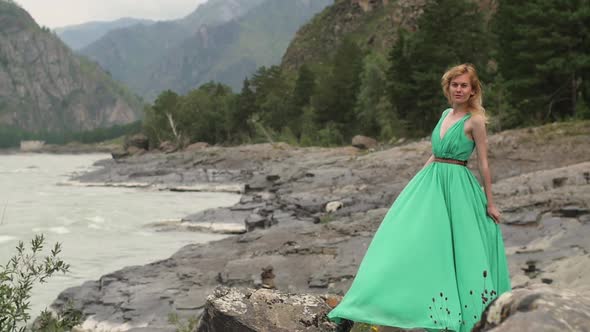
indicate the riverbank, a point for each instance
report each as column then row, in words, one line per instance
column 541, row 182
column 70, row 148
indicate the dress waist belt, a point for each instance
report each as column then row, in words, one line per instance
column 451, row 161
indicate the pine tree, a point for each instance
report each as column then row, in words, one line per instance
column 450, row 32
column 544, row 48
column 337, row 93
column 304, row 87
column 399, row 84
column 273, row 93
column 371, row 91
column 243, row 110
column 302, row 93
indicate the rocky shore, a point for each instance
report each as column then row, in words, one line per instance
column 541, row 183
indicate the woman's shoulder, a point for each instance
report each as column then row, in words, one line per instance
column 477, row 119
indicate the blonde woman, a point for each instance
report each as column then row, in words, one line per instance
column 437, row 259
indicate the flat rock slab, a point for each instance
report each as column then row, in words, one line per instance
column 293, row 186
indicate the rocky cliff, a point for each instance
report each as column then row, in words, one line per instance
column 45, row 87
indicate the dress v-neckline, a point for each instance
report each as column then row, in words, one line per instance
column 450, row 127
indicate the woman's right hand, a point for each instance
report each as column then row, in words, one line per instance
column 494, row 213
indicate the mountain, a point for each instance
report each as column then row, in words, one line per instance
column 45, row 87
column 82, row 35
column 372, row 24
column 131, row 53
column 222, row 40
column 215, row 11
column 229, row 52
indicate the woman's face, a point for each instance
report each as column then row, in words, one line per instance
column 460, row 89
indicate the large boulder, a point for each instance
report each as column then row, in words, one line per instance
column 197, row 146
column 168, row 147
column 119, row 153
column 333, row 206
column 135, row 145
column 538, row 308
column 139, row 141
column 249, row 310
column 364, row 142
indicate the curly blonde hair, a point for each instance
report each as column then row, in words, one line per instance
column 475, row 102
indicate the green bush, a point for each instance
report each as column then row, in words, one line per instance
column 62, row 322
column 331, row 135
column 17, row 278
column 582, row 109
column 188, row 325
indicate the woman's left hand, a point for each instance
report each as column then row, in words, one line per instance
column 494, row 213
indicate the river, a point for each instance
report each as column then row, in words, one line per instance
column 101, row 229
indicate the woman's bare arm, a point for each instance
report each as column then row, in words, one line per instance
column 480, row 138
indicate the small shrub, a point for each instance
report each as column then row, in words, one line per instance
column 17, row 278
column 326, row 218
column 189, row 325
column 62, row 322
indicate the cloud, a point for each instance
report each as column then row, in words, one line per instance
column 57, row 13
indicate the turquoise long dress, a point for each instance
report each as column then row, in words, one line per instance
column 437, row 259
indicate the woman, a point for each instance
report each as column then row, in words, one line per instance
column 438, row 258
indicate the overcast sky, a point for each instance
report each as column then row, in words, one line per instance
column 58, row 13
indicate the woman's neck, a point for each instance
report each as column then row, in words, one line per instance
column 461, row 108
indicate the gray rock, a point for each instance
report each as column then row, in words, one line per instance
column 235, row 310
column 538, row 308
column 258, row 182
column 559, row 181
column 333, row 206
column 283, row 216
column 119, row 153
column 256, row 221
column 266, row 196
column 523, row 218
column 249, row 237
column 247, row 206
column 218, row 219
column 197, row 146
column 364, row 142
column 168, row 147
column 139, row 141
